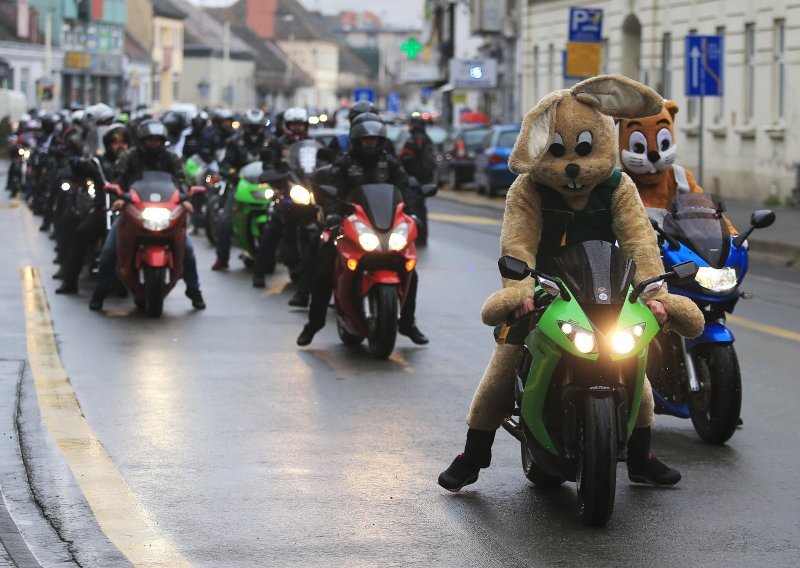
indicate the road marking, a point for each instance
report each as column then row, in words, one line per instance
column 111, row 500
column 13, row 204
column 469, row 219
column 768, row 329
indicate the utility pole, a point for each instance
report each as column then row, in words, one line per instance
column 227, row 89
column 48, row 46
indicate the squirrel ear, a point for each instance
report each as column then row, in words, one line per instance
column 537, row 127
column 618, row 96
column 672, row 108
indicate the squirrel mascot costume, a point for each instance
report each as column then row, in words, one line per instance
column 568, row 191
column 647, row 152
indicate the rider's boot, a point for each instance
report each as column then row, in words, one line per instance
column 409, row 329
column 644, row 467
column 96, row 303
column 299, row 300
column 465, row 468
column 196, row 296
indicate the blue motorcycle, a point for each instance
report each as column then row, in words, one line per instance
column 699, row 378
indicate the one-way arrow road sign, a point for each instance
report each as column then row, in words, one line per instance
column 704, row 66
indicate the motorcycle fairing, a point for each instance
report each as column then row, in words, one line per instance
column 379, row 202
column 154, row 255
column 737, row 259
column 714, row 332
column 695, row 219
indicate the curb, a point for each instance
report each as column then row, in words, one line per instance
column 771, row 252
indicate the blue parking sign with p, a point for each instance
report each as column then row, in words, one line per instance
column 586, row 25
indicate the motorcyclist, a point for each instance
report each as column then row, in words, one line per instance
column 215, row 138
column 97, row 119
column 365, row 106
column 190, row 143
column 248, row 145
column 151, row 154
column 115, row 142
column 365, row 162
column 175, row 124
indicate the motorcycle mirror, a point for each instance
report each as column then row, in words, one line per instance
column 429, row 190
column 762, row 218
column 112, row 188
column 682, row 273
column 651, row 289
column 195, row 189
column 329, row 191
column 513, row 268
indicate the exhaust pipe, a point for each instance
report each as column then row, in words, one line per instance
column 514, row 429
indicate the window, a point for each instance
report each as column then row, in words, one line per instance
column 156, row 88
column 719, row 109
column 780, row 70
column 176, row 87
column 550, row 70
column 750, row 72
column 536, row 79
column 666, row 66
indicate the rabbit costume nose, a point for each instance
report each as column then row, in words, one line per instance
column 572, row 170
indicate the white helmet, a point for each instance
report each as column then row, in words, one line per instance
column 99, row 113
column 77, row 117
column 295, row 114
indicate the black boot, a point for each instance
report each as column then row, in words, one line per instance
column 309, row 330
column 299, row 300
column 410, row 330
column 465, row 468
column 96, row 303
column 196, row 296
column 644, row 467
column 67, row 288
column 259, row 281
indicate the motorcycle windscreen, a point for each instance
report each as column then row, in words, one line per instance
column 252, row 172
column 598, row 275
column 303, row 156
column 379, row 201
column 155, row 187
column 695, row 219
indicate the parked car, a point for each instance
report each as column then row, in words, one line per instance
column 455, row 164
column 491, row 163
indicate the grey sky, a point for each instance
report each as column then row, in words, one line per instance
column 392, row 12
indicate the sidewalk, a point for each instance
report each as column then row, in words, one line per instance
column 778, row 244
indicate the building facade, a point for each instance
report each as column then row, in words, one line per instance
column 751, row 135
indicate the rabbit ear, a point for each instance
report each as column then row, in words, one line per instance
column 618, row 96
column 537, row 127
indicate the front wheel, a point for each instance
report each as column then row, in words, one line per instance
column 715, row 408
column 213, row 213
column 597, row 466
column 382, row 320
column 536, row 475
column 153, row 291
column 347, row 337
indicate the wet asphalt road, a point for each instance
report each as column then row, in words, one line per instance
column 245, row 450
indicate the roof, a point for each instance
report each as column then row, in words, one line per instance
column 135, row 50
column 204, row 34
column 165, row 9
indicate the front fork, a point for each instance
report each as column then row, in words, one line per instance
column 688, row 362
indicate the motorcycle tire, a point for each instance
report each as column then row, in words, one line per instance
column 153, row 291
column 597, row 461
column 212, row 220
column 716, row 407
column 536, row 475
column 347, row 337
column 382, row 323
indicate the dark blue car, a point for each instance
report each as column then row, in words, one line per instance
column 491, row 164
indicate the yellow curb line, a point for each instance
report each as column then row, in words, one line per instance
column 470, row 219
column 768, row 329
column 111, row 500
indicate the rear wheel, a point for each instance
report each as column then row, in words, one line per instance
column 153, row 291
column 382, row 320
column 534, row 474
column 597, row 466
column 347, row 337
column 715, row 408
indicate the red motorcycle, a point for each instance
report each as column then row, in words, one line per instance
column 150, row 240
column 376, row 254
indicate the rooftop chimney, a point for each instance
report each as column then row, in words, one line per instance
column 261, row 17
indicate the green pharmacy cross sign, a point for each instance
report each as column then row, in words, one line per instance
column 412, row 47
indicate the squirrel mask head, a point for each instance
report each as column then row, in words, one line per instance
column 647, row 146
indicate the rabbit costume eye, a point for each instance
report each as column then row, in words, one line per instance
column 584, row 146
column 557, row 147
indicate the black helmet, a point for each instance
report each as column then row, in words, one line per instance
column 150, row 129
column 359, row 108
column 50, row 123
column 200, row 121
column 254, row 122
column 417, row 123
column 116, row 131
column 367, row 124
column 174, row 122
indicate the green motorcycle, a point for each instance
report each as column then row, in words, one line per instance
column 580, row 378
column 249, row 212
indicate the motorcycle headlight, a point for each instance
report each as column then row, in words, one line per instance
column 300, row 195
column 716, row 279
column 27, row 154
column 65, row 186
column 156, row 218
column 21, row 151
column 583, row 339
column 367, row 238
column 623, row 341
column 398, row 239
